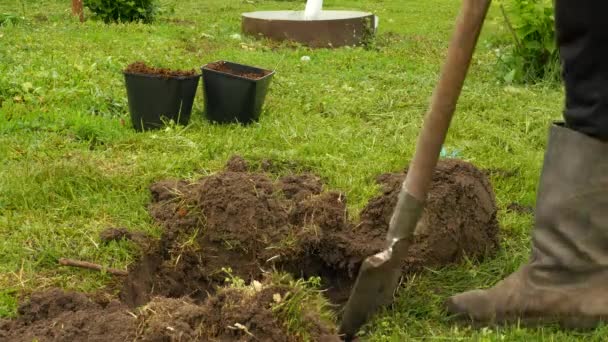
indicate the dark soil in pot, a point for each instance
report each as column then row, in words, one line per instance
column 251, row 74
column 142, row 69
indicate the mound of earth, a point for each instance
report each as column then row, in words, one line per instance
column 245, row 223
column 253, row 313
column 459, row 217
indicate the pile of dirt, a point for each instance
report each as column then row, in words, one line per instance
column 232, row 314
column 250, row 74
column 233, row 222
column 68, row 316
column 143, row 69
column 245, row 223
column 459, row 218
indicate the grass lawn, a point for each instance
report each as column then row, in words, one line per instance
column 71, row 167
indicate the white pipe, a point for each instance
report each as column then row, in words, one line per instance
column 313, row 9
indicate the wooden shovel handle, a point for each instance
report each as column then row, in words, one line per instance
column 437, row 119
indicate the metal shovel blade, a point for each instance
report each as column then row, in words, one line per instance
column 379, row 274
column 375, row 286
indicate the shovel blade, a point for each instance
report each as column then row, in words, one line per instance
column 375, row 286
column 379, row 274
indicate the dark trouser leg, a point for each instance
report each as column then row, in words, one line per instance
column 582, row 36
column 566, row 279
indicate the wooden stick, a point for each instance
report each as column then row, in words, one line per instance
column 91, row 266
column 77, row 9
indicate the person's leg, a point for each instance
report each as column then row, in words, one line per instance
column 566, row 279
column 582, row 37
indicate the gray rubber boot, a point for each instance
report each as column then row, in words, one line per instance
column 566, row 280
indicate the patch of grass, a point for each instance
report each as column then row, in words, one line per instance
column 8, row 301
column 72, row 166
column 9, row 19
column 298, row 304
column 302, row 302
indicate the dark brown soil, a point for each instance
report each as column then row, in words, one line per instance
column 237, row 164
column 117, row 234
column 251, row 223
column 232, row 314
column 142, row 68
column 223, row 67
column 59, row 316
column 459, row 218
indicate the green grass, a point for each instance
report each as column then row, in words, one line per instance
column 70, row 168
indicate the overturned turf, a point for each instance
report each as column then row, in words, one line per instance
column 259, row 312
column 246, row 223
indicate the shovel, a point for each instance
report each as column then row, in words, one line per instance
column 379, row 274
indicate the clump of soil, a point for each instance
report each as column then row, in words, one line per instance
column 247, row 223
column 142, row 68
column 234, row 220
column 237, row 164
column 226, row 68
column 233, row 314
column 459, row 217
column 237, row 314
column 118, row 234
column 68, row 316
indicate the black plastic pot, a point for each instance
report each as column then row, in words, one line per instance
column 154, row 100
column 231, row 98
